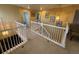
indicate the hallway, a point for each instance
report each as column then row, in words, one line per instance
column 39, row 45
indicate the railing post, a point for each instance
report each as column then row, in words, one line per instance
column 41, row 24
column 65, row 35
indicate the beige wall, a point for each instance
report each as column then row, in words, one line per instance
column 9, row 12
column 66, row 14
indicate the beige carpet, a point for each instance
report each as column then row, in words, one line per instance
column 39, row 45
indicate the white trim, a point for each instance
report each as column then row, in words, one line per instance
column 49, row 25
column 55, row 26
column 64, row 37
column 21, row 24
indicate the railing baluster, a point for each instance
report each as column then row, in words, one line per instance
column 18, row 36
column 58, row 34
column 8, row 42
column 4, row 44
column 1, row 48
column 11, row 42
column 15, row 39
column 54, row 34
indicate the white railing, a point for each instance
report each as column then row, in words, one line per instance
column 50, row 32
column 12, row 38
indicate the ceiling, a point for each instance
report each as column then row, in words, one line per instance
column 43, row 6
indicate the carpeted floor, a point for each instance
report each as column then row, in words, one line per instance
column 39, row 45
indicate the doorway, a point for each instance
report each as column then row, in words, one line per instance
column 76, row 17
column 26, row 18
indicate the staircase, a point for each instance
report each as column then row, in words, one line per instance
column 9, row 42
column 12, row 35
